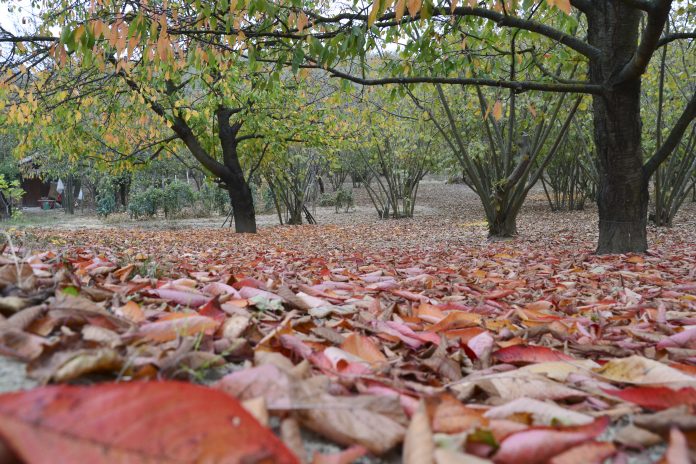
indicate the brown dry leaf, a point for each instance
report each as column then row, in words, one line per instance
column 517, row 384
column 257, row 408
column 643, row 371
column 560, row 370
column 419, row 447
column 10, row 305
column 65, row 366
column 376, row 422
column 22, row 345
column 170, row 329
column 543, row 413
column 101, row 335
column 131, row 311
column 661, row 422
column 636, row 437
column 235, row 326
column 24, row 318
column 451, row 416
column 292, row 437
column 17, row 274
column 364, row 348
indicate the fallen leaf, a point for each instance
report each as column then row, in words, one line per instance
column 656, row 398
column 539, row 444
column 419, row 447
column 642, row 371
column 543, row 413
column 524, row 354
column 595, row 452
column 176, row 422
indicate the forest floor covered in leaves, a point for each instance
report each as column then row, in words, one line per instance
column 376, row 333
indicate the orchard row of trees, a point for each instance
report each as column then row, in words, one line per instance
column 258, row 87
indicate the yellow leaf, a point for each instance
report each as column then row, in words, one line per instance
column 532, row 110
column 373, row 13
column 498, row 110
column 302, row 21
column 454, row 5
column 563, row 5
column 414, row 6
column 400, row 8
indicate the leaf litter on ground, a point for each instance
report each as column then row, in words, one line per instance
column 453, row 350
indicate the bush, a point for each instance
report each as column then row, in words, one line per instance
column 106, row 204
column 174, row 197
column 212, row 198
column 144, row 204
column 340, row 199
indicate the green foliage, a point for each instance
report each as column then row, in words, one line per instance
column 144, row 204
column 10, row 194
column 340, row 199
column 171, row 200
column 213, row 199
column 174, row 197
column 106, row 204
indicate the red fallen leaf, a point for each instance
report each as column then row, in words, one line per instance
column 655, row 398
column 523, row 354
column 169, row 329
column 136, row 423
column 498, row 294
column 213, row 310
column 249, row 282
column 539, row 444
column 595, row 452
column 179, row 297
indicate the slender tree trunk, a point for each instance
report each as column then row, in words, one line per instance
column 622, row 198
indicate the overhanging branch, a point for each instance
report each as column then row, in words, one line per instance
column 673, row 138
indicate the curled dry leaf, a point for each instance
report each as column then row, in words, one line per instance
column 508, row 386
column 180, row 326
column 375, row 422
column 64, row 366
column 543, row 413
column 419, row 447
column 292, row 437
column 678, row 450
column 643, row 371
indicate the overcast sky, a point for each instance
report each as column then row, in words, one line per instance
column 12, row 21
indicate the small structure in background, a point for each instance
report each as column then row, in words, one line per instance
column 38, row 191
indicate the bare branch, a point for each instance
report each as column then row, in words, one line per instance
column 674, row 137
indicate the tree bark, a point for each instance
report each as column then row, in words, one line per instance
column 504, row 225
column 242, row 206
column 238, row 188
column 622, row 198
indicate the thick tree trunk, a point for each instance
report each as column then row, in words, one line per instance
column 503, row 225
column 242, row 205
column 622, row 198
